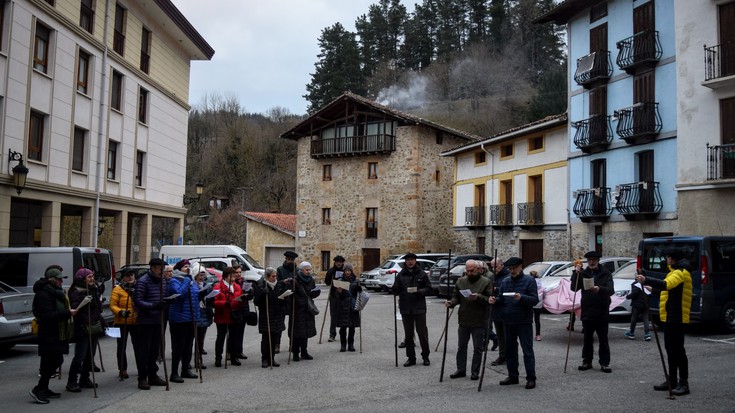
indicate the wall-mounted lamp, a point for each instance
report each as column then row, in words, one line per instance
column 101, row 226
column 200, row 190
column 20, row 171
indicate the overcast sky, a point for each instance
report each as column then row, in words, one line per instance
column 265, row 50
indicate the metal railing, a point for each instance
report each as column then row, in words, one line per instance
column 721, row 161
column 353, row 145
column 639, row 198
column 643, row 48
column 594, row 67
column 501, row 214
column 641, row 119
column 474, row 216
column 530, row 213
column 719, row 61
column 594, row 132
column 592, row 203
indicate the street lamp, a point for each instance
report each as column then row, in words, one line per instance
column 20, row 171
column 200, row 190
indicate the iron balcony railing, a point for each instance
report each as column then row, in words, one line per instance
column 501, row 214
column 721, row 162
column 639, row 122
column 719, row 61
column 593, row 68
column 643, row 49
column 530, row 213
column 593, row 134
column 353, row 146
column 639, row 198
column 474, row 216
column 592, row 204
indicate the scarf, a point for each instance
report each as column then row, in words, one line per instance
column 304, row 278
column 271, row 284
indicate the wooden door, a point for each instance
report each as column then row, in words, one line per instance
column 727, row 125
column 370, row 258
column 532, row 250
column 727, row 39
column 646, row 200
column 644, row 26
column 644, row 91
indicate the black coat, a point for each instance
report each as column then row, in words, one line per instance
column 304, row 323
column 271, row 309
column 412, row 303
column 345, row 315
column 637, row 297
column 595, row 306
column 51, row 309
column 90, row 313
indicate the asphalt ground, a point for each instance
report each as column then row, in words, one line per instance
column 369, row 381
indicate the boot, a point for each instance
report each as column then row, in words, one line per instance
column 343, row 344
column 681, row 389
column 665, row 386
column 350, row 344
column 73, row 387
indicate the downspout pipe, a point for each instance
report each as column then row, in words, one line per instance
column 100, row 130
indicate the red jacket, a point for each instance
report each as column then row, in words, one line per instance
column 221, row 308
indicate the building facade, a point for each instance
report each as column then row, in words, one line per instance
column 705, row 43
column 371, row 183
column 98, row 109
column 510, row 192
column 623, row 121
column 268, row 236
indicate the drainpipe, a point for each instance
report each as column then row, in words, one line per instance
column 492, row 192
column 100, row 130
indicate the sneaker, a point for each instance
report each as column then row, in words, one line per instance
column 538, row 337
column 331, row 339
column 629, row 335
column 681, row 389
column 584, row 366
column 73, row 388
column 605, row 369
column 647, row 337
column 38, row 395
column 50, row 394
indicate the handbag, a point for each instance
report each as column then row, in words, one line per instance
column 252, row 318
column 361, row 301
column 94, row 329
column 311, row 306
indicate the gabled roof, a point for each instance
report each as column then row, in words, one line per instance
column 564, row 11
column 535, row 126
column 335, row 110
column 281, row 222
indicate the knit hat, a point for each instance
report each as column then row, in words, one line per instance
column 179, row 265
column 349, row 267
column 196, row 268
column 304, row 264
column 82, row 273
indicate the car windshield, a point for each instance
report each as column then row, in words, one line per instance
column 539, row 267
column 387, row 265
column 626, row 272
column 458, row 270
column 443, row 262
column 566, row 270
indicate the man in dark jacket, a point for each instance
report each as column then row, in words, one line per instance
column 288, row 268
column 150, row 291
column 412, row 286
column 471, row 293
column 334, row 273
column 517, row 295
column 53, row 315
column 596, row 285
column 500, row 272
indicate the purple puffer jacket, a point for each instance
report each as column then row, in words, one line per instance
column 148, row 298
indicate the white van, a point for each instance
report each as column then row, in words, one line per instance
column 21, row 267
column 251, row 269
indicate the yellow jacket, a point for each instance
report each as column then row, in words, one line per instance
column 676, row 294
column 121, row 300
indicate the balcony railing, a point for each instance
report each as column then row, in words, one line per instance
column 639, row 123
column 642, row 50
column 719, row 61
column 593, row 134
column 501, row 215
column 639, row 200
column 353, row 146
column 474, row 216
column 721, row 162
column 531, row 213
column 592, row 204
column 593, row 68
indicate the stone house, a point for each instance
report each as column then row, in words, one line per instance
column 371, row 183
column 268, row 236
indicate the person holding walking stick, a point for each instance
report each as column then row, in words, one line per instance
column 182, row 316
column 517, row 295
column 346, row 317
column 674, row 306
column 88, row 326
column 206, row 316
column 287, row 271
column 303, row 323
column 334, row 273
column 471, row 293
column 126, row 317
column 148, row 300
column 412, row 286
column 499, row 273
column 271, row 317
column 224, row 304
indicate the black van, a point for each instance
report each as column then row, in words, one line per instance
column 713, row 274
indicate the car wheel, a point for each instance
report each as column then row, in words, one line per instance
column 728, row 317
column 5, row 347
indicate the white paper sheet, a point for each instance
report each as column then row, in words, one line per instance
column 285, row 294
column 84, row 302
column 466, row 293
column 113, row 332
column 212, row 294
column 589, row 283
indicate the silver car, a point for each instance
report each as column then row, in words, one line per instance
column 623, row 278
column 16, row 314
column 390, row 268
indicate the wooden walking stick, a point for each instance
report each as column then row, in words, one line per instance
column 324, row 318
column 436, row 348
column 91, row 349
column 395, row 327
column 446, row 326
column 571, row 313
column 163, row 333
column 360, row 327
column 268, row 321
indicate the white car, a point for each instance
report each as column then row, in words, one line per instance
column 390, row 268
column 623, row 278
column 544, row 268
column 610, row 263
column 370, row 279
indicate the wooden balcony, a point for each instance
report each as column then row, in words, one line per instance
column 353, row 146
column 639, row 200
column 639, row 52
column 593, row 204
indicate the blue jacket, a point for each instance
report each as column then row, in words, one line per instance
column 521, row 311
column 148, row 298
column 186, row 307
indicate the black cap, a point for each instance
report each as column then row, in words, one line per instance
column 410, row 256
column 156, row 261
column 592, row 254
column 512, row 261
column 290, row 254
column 339, row 258
column 674, row 253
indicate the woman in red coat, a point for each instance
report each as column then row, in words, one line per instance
column 224, row 303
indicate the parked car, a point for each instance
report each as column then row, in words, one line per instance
column 610, row 263
column 623, row 278
column 139, row 269
column 16, row 314
column 390, row 268
column 544, row 268
column 444, row 264
column 369, row 279
column 220, row 263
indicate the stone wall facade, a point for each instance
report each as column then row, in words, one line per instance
column 620, row 238
column 555, row 242
column 260, row 236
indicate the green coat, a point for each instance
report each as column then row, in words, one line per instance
column 473, row 313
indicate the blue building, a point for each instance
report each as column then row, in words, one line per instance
column 622, row 121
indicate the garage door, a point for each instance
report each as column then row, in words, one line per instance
column 274, row 256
